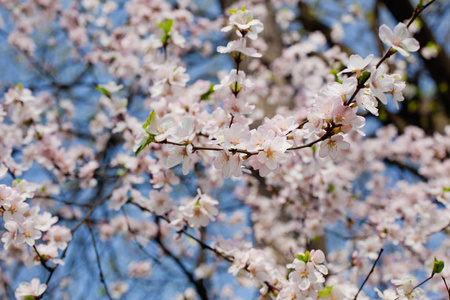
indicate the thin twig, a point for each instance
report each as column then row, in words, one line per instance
column 102, row 277
column 200, row 288
column 370, row 273
column 446, row 287
column 43, row 262
column 133, row 233
column 423, row 282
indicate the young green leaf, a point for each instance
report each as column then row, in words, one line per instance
column 438, row 266
column 206, row 95
column 166, row 26
column 103, row 90
column 152, row 119
column 151, row 139
column 325, row 292
column 364, row 76
column 303, row 257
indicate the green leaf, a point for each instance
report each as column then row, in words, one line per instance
column 325, row 292
column 232, row 11
column 206, row 95
column 151, row 138
column 438, row 266
column 364, row 76
column 103, row 90
column 331, row 188
column 243, row 8
column 420, row 5
column 336, row 78
column 303, row 257
column 166, row 26
column 446, row 189
column 29, row 297
column 151, row 116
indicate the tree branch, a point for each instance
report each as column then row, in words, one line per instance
column 370, row 273
column 102, row 277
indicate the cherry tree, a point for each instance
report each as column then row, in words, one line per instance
column 291, row 166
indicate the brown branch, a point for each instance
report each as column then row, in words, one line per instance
column 133, row 233
column 446, row 287
column 200, row 288
column 370, row 273
column 102, row 277
column 43, row 262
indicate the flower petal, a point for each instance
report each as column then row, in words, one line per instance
column 410, row 44
column 386, row 35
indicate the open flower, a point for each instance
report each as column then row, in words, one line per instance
column 332, row 145
column 244, row 24
column 33, row 288
column 356, row 64
column 200, row 210
column 399, row 40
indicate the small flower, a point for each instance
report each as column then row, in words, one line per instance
column 160, row 202
column 20, row 94
column 118, row 289
column 139, row 269
column 399, row 40
column 356, row 64
column 200, row 210
column 406, row 290
column 303, row 275
column 244, row 24
column 33, row 288
column 30, row 233
column 59, row 235
column 332, row 146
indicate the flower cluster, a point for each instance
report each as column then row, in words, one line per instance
column 246, row 27
column 24, row 225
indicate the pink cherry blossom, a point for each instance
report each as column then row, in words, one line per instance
column 332, row 146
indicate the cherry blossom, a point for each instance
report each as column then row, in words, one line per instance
column 356, row 64
column 332, row 146
column 399, row 40
column 245, row 25
column 200, row 210
column 33, row 288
